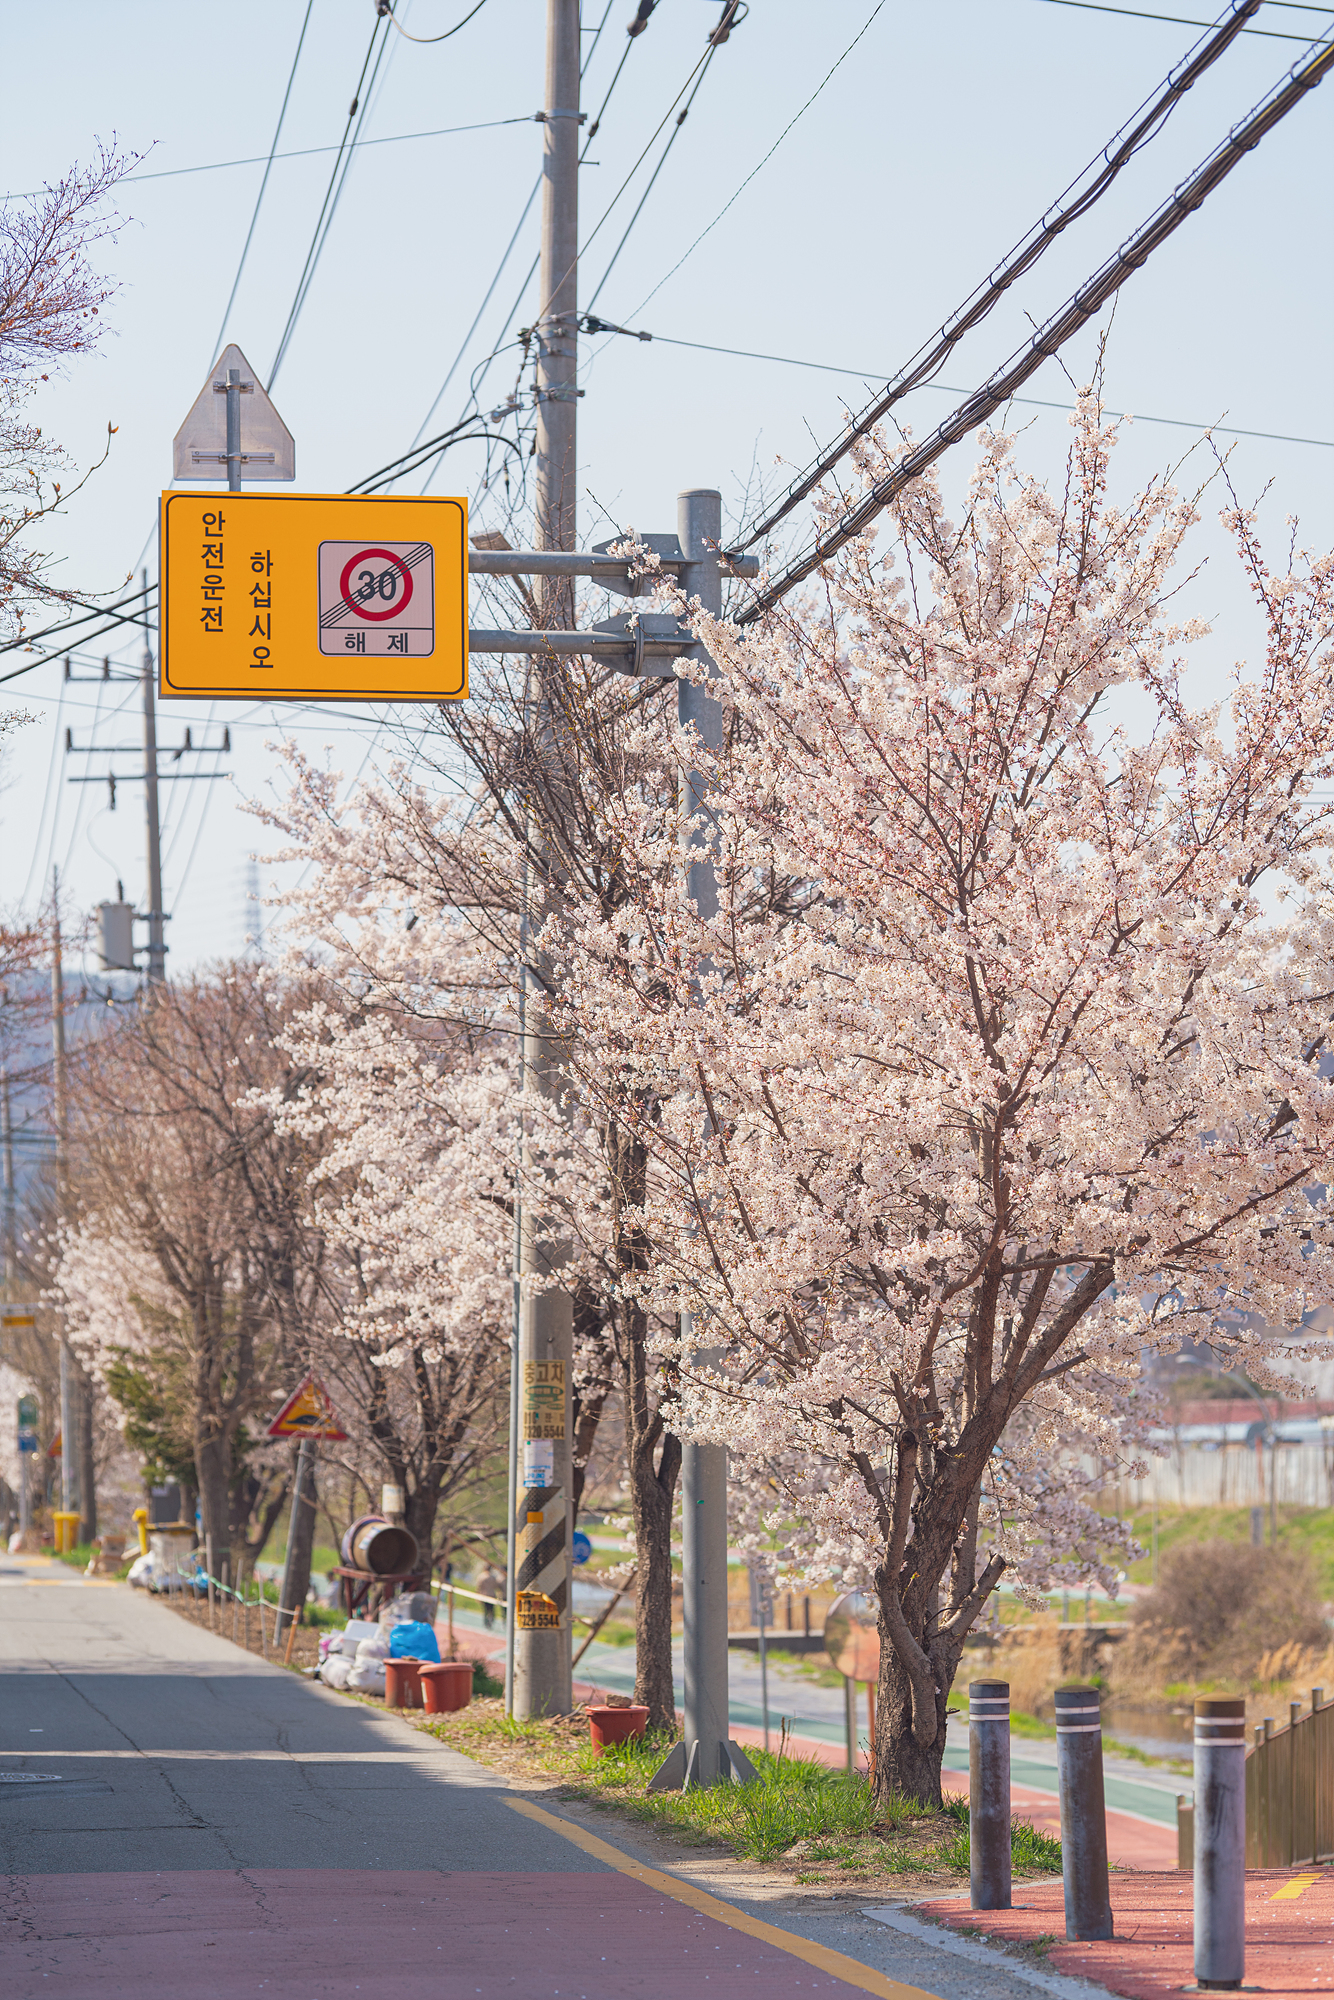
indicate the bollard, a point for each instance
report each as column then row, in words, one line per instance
column 1220, row 1841
column 1088, row 1903
column 989, row 1794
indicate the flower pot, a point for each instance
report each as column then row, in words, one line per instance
column 615, row 1725
column 402, row 1684
column 447, row 1686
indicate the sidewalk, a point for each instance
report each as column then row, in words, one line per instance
column 1289, row 1932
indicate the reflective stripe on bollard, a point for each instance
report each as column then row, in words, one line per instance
column 1088, row 1903
column 1220, row 1841
column 989, row 1794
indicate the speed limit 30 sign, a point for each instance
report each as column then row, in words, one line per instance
column 285, row 596
column 378, row 600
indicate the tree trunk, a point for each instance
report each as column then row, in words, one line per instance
column 213, row 1463
column 87, row 1461
column 652, row 1485
column 904, row 1766
column 654, row 1498
column 300, row 1539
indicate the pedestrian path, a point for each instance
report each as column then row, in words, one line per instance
column 1289, row 1932
column 180, row 1820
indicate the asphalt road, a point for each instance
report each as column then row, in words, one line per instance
column 181, row 1821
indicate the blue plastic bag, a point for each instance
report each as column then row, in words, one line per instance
column 413, row 1640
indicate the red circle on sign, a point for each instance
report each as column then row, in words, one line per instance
column 395, row 610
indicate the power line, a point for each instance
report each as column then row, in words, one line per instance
column 877, row 9
column 388, row 11
column 1078, row 198
column 1179, row 20
column 872, row 374
column 671, row 141
column 68, row 624
column 330, row 200
column 1076, row 313
column 268, row 169
column 528, row 279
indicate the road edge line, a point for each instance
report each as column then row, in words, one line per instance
column 850, row 1970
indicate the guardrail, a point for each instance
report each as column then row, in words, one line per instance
column 1289, row 1792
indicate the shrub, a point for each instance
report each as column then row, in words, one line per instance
column 1220, row 1606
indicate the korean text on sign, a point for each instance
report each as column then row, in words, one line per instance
column 214, row 583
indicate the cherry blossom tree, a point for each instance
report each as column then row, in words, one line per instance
column 51, row 302
column 1027, row 1082
column 191, row 1256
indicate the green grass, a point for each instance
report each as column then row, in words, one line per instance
column 819, row 1817
column 1309, row 1528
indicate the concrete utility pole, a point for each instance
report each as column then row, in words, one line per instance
column 707, row 1753
column 157, row 950
column 540, row 1572
column 59, row 1105
column 699, row 525
column 11, row 1192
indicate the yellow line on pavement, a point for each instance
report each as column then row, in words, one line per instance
column 1295, row 1887
column 864, row 1977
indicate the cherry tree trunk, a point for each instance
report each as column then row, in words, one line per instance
column 213, row 1463
column 902, row 1764
column 654, row 1496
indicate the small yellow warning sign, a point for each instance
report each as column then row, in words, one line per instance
column 534, row 1611
column 307, row 1413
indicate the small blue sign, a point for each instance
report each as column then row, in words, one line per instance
column 580, row 1546
column 27, row 1441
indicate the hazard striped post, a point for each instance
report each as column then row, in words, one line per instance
column 1088, row 1902
column 1220, row 1840
column 543, row 1680
column 989, row 1794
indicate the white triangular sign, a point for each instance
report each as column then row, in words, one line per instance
column 268, row 450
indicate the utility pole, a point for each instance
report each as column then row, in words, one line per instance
column 59, row 1106
column 11, row 1192
column 540, row 1485
column 703, row 1466
column 707, row 1753
column 157, row 949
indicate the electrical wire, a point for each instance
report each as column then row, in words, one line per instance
column 671, row 141
column 945, row 388
column 330, row 200
column 388, row 12
column 1179, row 20
column 67, row 624
column 268, row 169
column 876, row 10
column 1078, row 198
column 528, row 279
column 46, row 795
column 454, row 364
column 1133, row 254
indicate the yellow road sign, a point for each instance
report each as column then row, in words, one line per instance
column 307, row 1413
column 281, row 596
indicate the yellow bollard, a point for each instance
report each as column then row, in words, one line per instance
column 66, row 1525
column 140, row 1519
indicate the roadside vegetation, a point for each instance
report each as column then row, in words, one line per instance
column 819, row 1824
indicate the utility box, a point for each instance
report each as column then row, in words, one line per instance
column 115, row 936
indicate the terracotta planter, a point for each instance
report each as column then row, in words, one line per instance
column 447, row 1686
column 615, row 1725
column 402, row 1684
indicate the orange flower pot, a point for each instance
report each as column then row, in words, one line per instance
column 402, row 1684
column 615, row 1725
column 447, row 1686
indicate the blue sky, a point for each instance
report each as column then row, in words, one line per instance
column 930, row 149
